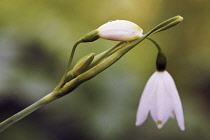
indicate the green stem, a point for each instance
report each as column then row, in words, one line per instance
column 105, row 54
column 155, row 43
column 161, row 60
column 40, row 103
column 68, row 66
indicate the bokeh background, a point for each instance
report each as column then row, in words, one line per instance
column 36, row 37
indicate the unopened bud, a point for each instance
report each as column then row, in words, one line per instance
column 69, row 76
column 167, row 24
column 83, row 64
column 120, row 30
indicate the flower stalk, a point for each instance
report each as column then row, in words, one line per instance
column 161, row 61
column 100, row 62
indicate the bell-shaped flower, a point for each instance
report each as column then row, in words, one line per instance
column 120, row 30
column 160, row 97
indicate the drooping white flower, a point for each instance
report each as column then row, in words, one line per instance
column 160, row 97
column 120, row 30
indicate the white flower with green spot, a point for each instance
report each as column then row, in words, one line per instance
column 160, row 97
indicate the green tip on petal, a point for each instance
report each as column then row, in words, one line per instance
column 159, row 122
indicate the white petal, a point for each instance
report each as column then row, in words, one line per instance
column 120, row 24
column 168, row 102
column 146, row 100
column 164, row 104
column 154, row 108
column 177, row 105
column 119, row 35
column 120, row 30
column 162, row 109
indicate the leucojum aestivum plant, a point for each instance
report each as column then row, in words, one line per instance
column 160, row 97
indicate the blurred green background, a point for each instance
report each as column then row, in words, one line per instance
column 36, row 37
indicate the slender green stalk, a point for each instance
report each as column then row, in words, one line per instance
column 105, row 54
column 40, row 103
column 68, row 66
column 161, row 60
column 155, row 43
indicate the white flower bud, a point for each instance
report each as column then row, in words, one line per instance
column 120, row 30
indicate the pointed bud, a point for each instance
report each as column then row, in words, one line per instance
column 120, row 30
column 69, row 76
column 167, row 24
column 83, row 64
